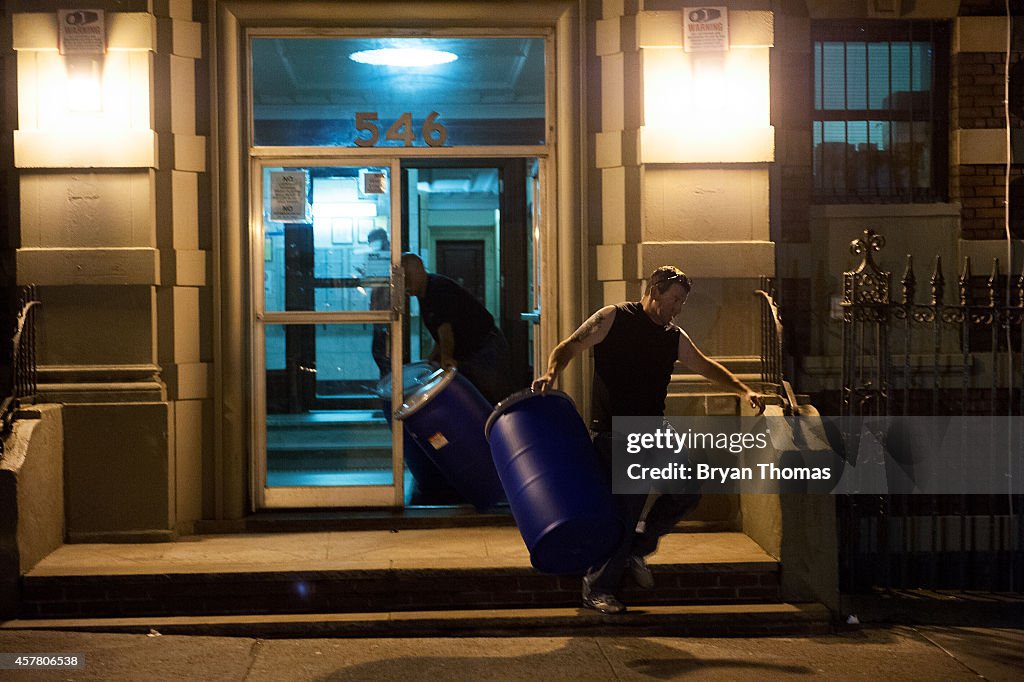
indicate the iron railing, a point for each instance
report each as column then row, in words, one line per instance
column 20, row 383
column 902, row 356
column 773, row 374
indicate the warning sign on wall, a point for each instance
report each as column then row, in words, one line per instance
column 81, row 31
column 706, row 29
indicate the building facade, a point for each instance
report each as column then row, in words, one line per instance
column 196, row 203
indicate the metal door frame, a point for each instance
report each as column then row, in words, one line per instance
column 319, row 496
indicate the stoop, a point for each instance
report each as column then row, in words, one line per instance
column 451, row 580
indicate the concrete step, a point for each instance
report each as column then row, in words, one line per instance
column 373, row 590
column 741, row 619
column 381, row 569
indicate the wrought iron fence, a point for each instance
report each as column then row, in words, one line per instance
column 902, row 356
column 20, row 383
column 773, row 373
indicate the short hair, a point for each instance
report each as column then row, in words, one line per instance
column 377, row 234
column 666, row 275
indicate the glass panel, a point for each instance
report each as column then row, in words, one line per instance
column 326, row 426
column 878, row 75
column 834, row 76
column 313, row 92
column 326, row 239
column 856, row 76
column 455, row 226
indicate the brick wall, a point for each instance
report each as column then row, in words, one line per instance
column 978, row 90
column 981, row 191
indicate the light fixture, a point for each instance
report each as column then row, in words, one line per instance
column 403, row 56
column 84, row 83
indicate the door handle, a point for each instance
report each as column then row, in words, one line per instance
column 397, row 291
column 532, row 317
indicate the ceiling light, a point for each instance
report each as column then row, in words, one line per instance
column 403, row 56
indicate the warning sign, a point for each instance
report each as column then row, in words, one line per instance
column 288, row 196
column 81, row 31
column 706, row 29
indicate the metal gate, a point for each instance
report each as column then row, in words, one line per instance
column 905, row 356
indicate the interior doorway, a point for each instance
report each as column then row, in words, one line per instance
column 473, row 220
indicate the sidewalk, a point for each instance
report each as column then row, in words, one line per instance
column 900, row 653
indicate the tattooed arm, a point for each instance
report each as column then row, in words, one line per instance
column 589, row 334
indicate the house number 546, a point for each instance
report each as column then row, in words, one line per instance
column 433, row 132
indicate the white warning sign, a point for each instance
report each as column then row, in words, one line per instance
column 81, row 31
column 706, row 29
column 288, row 196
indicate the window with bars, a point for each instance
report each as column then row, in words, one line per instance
column 880, row 117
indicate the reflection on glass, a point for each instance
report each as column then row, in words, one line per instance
column 326, row 425
column 326, row 239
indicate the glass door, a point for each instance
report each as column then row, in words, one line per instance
column 327, row 308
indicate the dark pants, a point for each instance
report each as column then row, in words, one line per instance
column 381, row 349
column 488, row 368
column 667, row 510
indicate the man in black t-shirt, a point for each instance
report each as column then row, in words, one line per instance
column 636, row 346
column 465, row 335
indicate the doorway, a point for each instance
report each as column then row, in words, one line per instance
column 330, row 327
column 474, row 220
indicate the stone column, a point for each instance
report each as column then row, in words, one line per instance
column 684, row 150
column 109, row 231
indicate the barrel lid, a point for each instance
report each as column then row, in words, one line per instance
column 413, row 376
column 519, row 397
column 431, row 385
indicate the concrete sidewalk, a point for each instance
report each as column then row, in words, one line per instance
column 900, row 652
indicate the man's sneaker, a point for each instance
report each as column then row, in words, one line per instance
column 604, row 603
column 640, row 572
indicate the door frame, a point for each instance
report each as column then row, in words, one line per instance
column 264, row 497
column 563, row 160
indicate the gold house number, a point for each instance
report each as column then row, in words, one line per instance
column 433, row 132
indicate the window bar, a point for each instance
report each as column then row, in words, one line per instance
column 912, row 155
column 817, row 158
column 888, row 112
column 933, row 179
column 873, row 184
column 846, row 121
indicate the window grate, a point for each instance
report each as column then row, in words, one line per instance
column 880, row 118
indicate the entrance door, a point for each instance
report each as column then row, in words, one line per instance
column 329, row 324
column 326, row 313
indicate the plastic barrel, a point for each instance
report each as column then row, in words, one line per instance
column 557, row 493
column 446, row 415
column 431, row 486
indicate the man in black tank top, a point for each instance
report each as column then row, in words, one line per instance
column 636, row 346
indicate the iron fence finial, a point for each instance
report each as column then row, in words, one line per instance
column 938, row 282
column 908, row 283
column 864, row 246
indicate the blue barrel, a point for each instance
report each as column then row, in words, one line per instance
column 446, row 415
column 558, row 495
column 430, row 486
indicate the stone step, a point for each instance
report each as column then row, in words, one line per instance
column 379, row 569
column 373, row 590
column 705, row 620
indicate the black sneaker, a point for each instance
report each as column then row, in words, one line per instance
column 604, row 603
column 640, row 572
